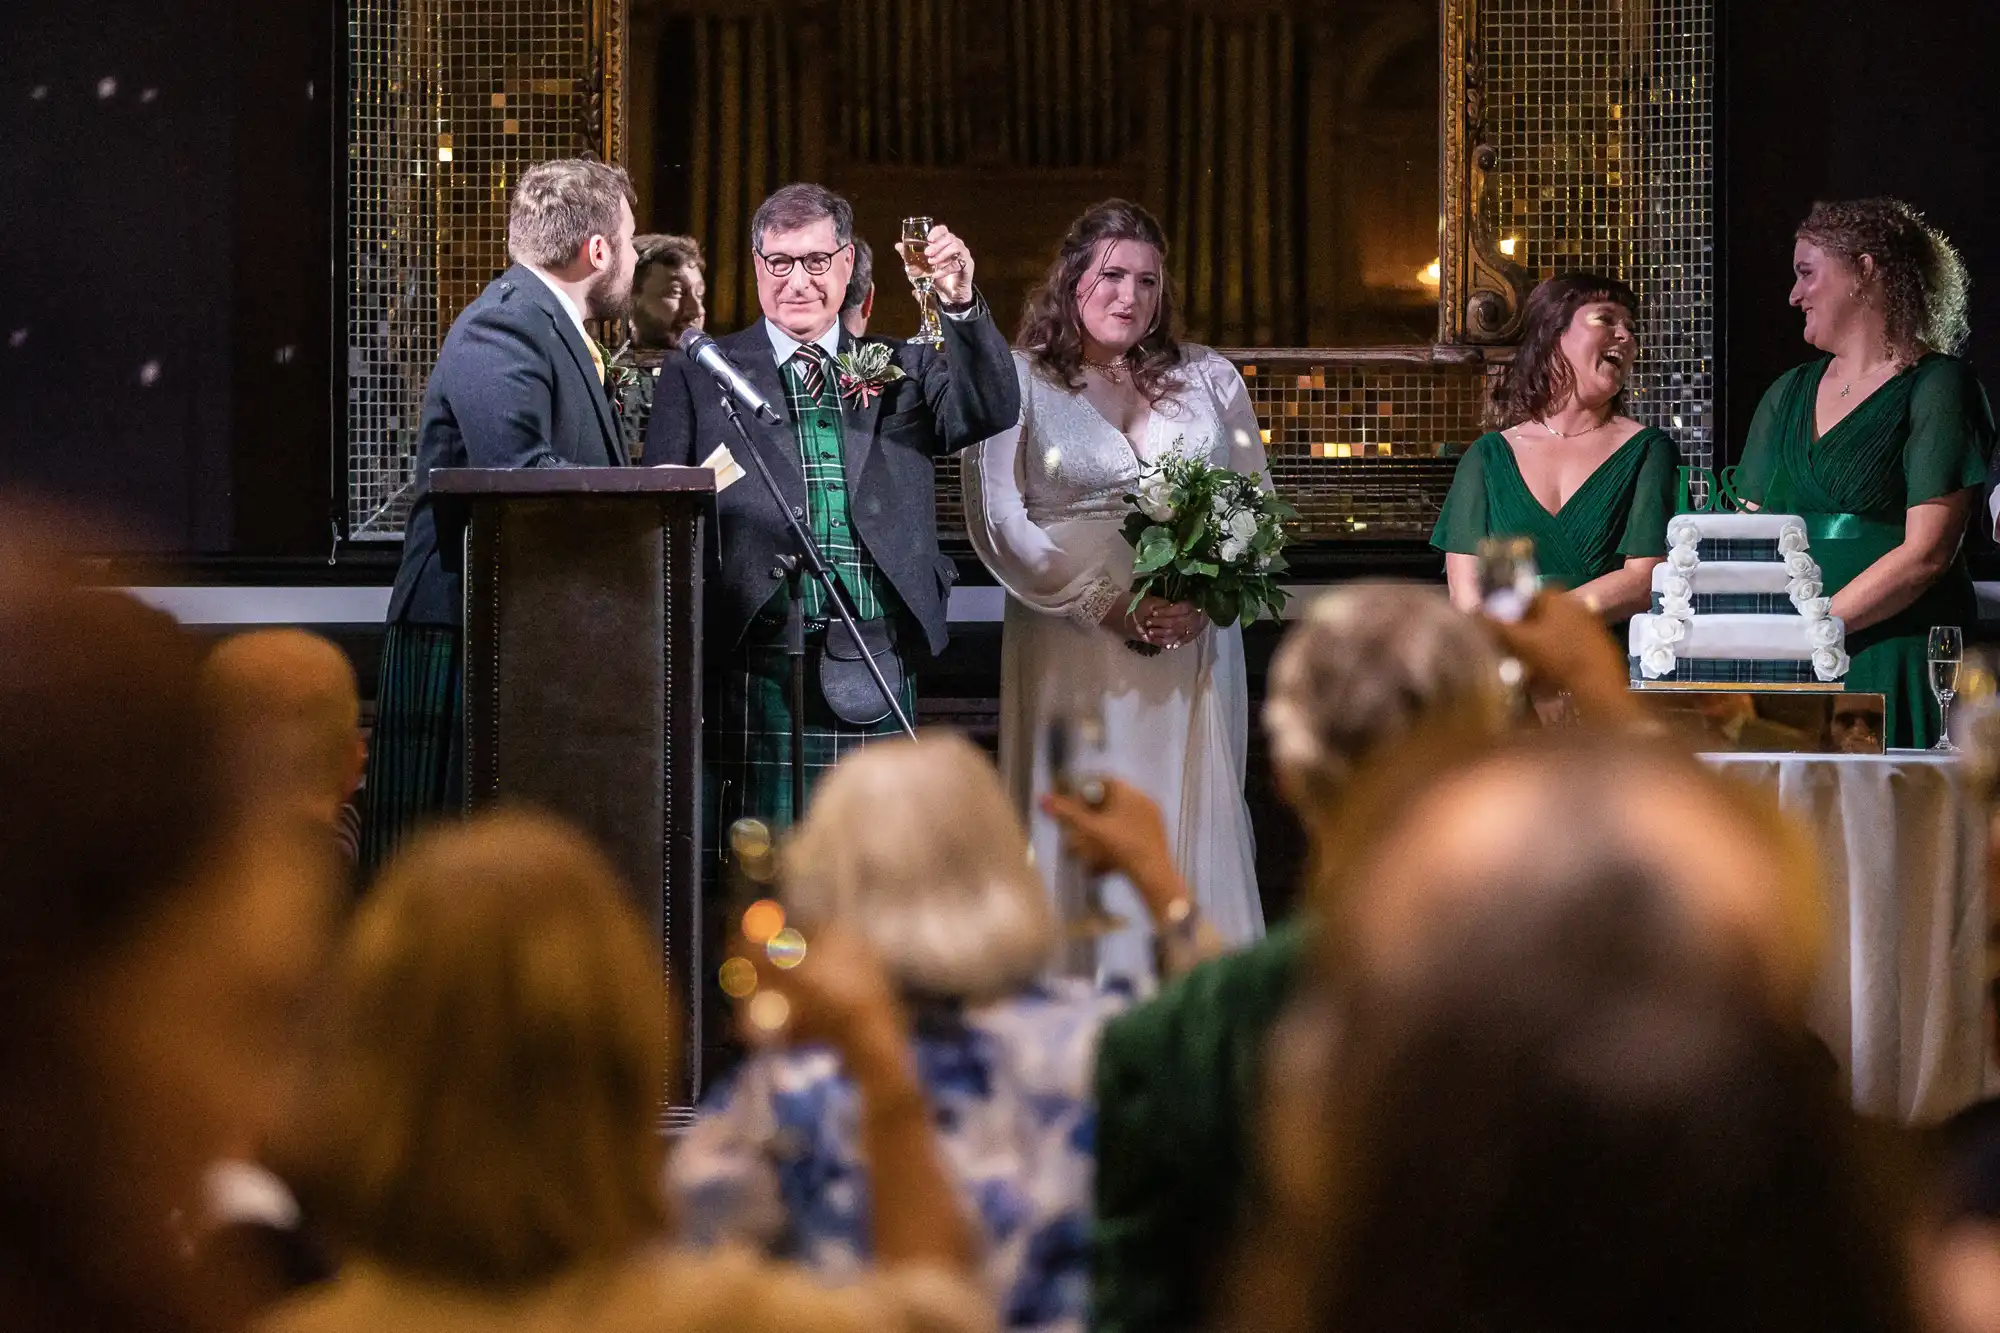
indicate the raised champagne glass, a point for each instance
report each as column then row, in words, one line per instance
column 1946, row 652
column 917, row 267
column 1076, row 761
column 1509, row 577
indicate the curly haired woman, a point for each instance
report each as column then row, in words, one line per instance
column 1880, row 443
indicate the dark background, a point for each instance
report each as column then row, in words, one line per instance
column 166, row 251
column 167, row 262
column 1829, row 99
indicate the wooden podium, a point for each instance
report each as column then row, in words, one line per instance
column 583, row 681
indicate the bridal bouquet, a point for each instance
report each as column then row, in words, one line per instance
column 1208, row 536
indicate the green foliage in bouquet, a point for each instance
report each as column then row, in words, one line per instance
column 1208, row 536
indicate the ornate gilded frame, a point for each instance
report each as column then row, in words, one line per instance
column 604, row 130
column 1481, row 292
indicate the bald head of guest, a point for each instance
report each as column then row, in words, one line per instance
column 291, row 710
column 1530, row 821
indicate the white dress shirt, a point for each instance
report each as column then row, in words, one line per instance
column 784, row 346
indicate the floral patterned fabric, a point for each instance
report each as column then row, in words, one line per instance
column 773, row 1159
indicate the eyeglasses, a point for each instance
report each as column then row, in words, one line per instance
column 781, row 265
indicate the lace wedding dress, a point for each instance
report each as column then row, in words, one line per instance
column 1044, row 504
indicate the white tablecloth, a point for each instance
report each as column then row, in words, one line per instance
column 1902, row 1002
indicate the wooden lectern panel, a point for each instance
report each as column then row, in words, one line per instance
column 583, row 688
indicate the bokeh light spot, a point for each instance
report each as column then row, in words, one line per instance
column 738, row 978
column 762, row 920
column 787, row 948
column 769, row 1011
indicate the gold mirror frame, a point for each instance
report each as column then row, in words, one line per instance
column 1482, row 294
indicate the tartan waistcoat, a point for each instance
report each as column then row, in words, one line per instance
column 817, row 425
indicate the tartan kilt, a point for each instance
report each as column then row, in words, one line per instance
column 747, row 735
column 416, row 769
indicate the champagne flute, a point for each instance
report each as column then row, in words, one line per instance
column 1509, row 577
column 1075, row 740
column 917, row 267
column 1946, row 651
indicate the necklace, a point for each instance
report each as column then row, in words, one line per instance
column 1572, row 434
column 1111, row 370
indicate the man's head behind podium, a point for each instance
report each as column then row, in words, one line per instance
column 572, row 219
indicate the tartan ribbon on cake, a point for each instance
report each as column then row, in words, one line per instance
column 1733, row 671
column 1735, row 604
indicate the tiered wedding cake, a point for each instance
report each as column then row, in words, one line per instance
column 1738, row 601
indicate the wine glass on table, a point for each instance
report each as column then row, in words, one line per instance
column 917, row 267
column 1946, row 652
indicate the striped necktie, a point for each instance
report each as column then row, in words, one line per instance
column 812, row 375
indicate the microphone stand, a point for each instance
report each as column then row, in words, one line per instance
column 809, row 558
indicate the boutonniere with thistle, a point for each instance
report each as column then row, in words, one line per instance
column 865, row 371
column 622, row 370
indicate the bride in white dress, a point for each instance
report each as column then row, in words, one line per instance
column 1106, row 388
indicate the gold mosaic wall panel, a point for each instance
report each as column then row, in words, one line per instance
column 450, row 101
column 1602, row 117
column 1364, row 449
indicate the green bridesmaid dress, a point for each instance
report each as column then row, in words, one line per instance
column 1926, row 433
column 1619, row 512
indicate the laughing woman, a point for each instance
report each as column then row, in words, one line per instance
column 1565, row 467
column 1880, row 443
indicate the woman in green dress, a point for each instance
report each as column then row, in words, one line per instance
column 1592, row 487
column 1880, row 445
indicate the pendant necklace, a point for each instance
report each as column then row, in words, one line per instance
column 1111, row 370
column 1571, row 434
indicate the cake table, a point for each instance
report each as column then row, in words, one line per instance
column 1902, row 845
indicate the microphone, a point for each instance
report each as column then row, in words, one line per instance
column 703, row 350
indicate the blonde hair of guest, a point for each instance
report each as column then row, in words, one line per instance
column 915, row 845
column 489, row 1108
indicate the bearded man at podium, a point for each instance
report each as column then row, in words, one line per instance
column 518, row 384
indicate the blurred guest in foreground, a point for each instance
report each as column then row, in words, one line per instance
column 1563, row 1101
column 858, row 306
column 156, row 947
column 290, row 709
column 1566, row 467
column 1365, row 665
column 916, row 847
column 486, row 1138
column 1880, row 444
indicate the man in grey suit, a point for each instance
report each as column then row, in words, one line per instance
column 864, row 420
column 518, row 383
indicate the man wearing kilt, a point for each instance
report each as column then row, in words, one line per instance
column 854, row 458
column 518, row 383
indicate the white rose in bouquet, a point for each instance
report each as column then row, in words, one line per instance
column 1656, row 661
column 1683, row 558
column 1665, row 630
column 1814, row 608
column 1683, row 530
column 1829, row 663
column 1825, row 633
column 1234, row 549
column 1219, row 506
column 1801, row 566
column 1791, row 539
column 1242, row 525
column 1156, row 497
